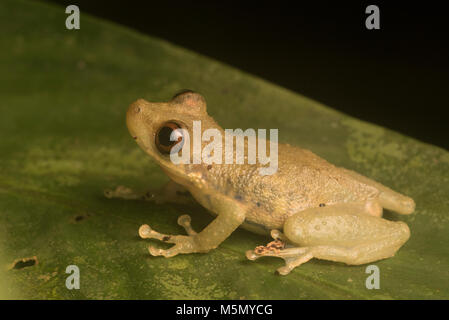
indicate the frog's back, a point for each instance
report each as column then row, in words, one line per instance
column 303, row 180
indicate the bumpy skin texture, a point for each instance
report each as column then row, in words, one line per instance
column 304, row 188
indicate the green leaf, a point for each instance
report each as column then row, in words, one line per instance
column 63, row 97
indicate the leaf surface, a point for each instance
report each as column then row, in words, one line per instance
column 63, row 97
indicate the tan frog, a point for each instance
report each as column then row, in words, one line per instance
column 326, row 212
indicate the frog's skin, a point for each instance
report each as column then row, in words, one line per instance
column 326, row 212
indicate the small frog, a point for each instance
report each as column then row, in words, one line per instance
column 324, row 211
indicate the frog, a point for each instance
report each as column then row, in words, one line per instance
column 310, row 207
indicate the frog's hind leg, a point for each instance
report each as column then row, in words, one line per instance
column 293, row 257
column 388, row 198
column 357, row 255
column 341, row 233
column 277, row 235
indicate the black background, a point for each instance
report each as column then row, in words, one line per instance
column 396, row 77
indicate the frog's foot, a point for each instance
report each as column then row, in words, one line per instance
column 182, row 244
column 277, row 235
column 293, row 256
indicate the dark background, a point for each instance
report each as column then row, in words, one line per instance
column 396, row 77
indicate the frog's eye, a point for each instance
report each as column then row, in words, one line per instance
column 168, row 136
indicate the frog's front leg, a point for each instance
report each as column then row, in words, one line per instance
column 230, row 216
column 341, row 233
column 184, row 242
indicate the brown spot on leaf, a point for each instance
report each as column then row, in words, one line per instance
column 80, row 217
column 23, row 263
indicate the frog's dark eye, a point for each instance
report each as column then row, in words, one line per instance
column 168, row 136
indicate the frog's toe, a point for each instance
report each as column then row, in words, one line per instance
column 182, row 244
column 271, row 249
column 283, row 271
column 145, row 232
column 155, row 251
column 293, row 257
column 278, row 235
column 184, row 221
column 167, row 253
column 251, row 255
column 291, row 261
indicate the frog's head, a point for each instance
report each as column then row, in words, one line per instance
column 154, row 125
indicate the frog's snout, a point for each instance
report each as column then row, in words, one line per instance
column 133, row 114
column 134, row 109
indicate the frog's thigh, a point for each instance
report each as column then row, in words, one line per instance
column 360, row 254
column 372, row 207
column 344, row 232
